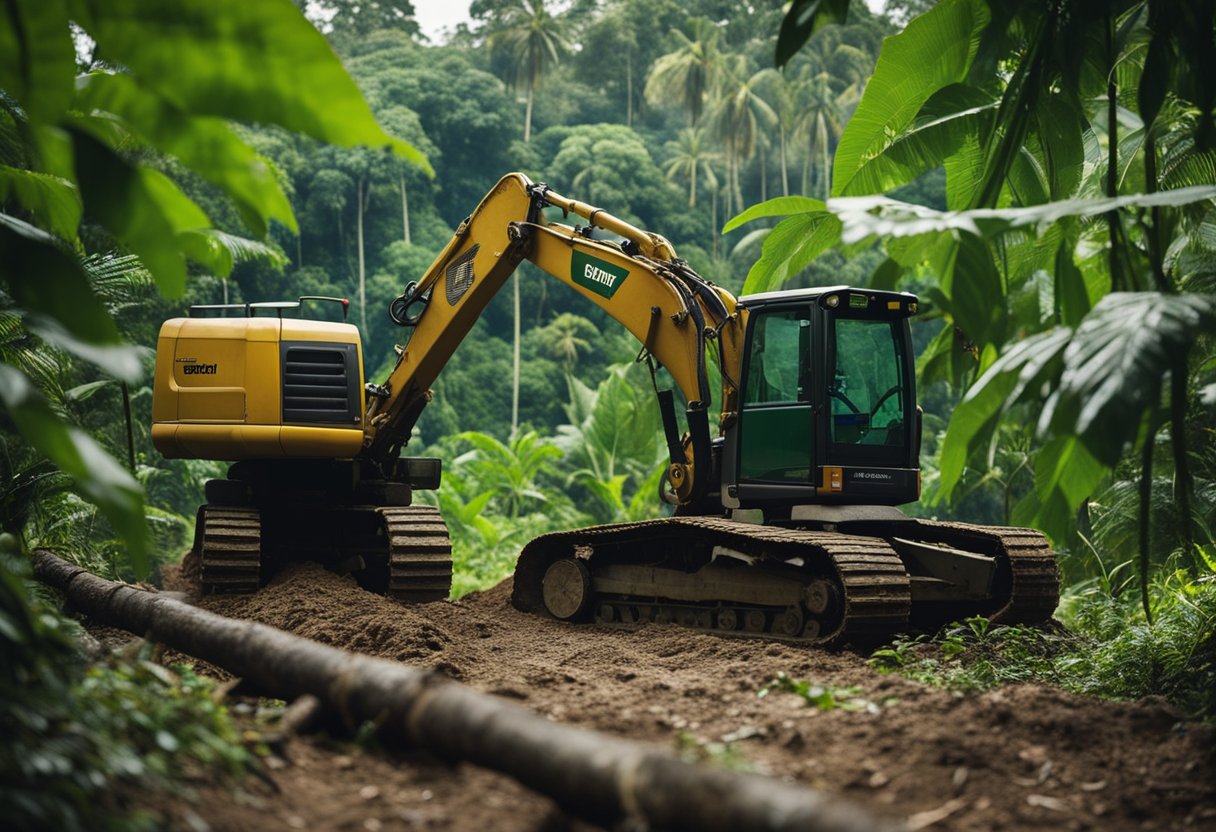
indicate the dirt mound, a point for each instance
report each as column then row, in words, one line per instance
column 1021, row 757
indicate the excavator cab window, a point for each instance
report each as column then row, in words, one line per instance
column 775, row 442
column 867, row 388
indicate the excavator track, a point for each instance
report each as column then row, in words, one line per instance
column 228, row 542
column 859, row 583
column 1028, row 582
column 855, row 588
column 419, row 554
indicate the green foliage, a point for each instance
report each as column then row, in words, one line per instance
column 951, row 32
column 74, row 735
column 1122, row 656
column 1077, row 163
column 77, row 454
column 823, row 697
column 973, row 655
column 1109, row 649
column 89, row 149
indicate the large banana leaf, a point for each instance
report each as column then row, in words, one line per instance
column 934, row 51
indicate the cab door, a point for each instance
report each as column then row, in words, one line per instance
column 775, row 430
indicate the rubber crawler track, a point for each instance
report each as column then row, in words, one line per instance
column 1028, row 580
column 420, row 554
column 877, row 597
column 877, row 592
column 229, row 546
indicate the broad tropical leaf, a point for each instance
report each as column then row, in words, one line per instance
column 207, row 145
column 952, row 116
column 43, row 277
column 51, row 201
column 37, row 57
column 1065, row 474
column 904, row 81
column 140, row 206
column 1115, row 363
column 869, row 216
column 790, row 248
column 777, row 207
column 1020, row 372
column 259, row 62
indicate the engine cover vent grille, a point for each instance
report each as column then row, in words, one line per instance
column 460, row 275
column 320, row 383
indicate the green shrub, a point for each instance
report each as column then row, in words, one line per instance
column 74, row 732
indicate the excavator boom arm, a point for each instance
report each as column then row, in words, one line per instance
column 670, row 310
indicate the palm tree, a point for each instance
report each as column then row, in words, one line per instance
column 830, row 76
column 690, row 72
column 534, row 41
column 781, row 91
column 566, row 336
column 822, row 123
column 691, row 159
column 740, row 115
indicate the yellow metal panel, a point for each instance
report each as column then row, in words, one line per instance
column 164, row 438
column 299, row 329
column 242, row 329
column 263, row 384
column 331, row 443
column 209, row 376
column 164, row 391
column 211, row 404
column 233, row 442
column 222, row 442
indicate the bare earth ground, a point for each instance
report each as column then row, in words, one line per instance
column 1018, row 757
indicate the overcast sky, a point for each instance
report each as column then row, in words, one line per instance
column 436, row 16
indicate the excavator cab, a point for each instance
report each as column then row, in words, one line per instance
column 827, row 411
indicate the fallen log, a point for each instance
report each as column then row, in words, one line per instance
column 594, row 776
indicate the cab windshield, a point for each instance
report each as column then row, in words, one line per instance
column 867, row 390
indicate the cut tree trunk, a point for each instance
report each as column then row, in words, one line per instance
column 601, row 778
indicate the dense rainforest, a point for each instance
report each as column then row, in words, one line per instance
column 1042, row 175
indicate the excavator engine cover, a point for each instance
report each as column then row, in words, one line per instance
column 257, row 388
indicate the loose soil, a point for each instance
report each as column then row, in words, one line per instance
column 1017, row 757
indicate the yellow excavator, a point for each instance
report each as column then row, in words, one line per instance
column 785, row 523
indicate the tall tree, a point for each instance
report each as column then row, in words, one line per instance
column 740, row 116
column 690, row 158
column 689, row 73
column 535, row 40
